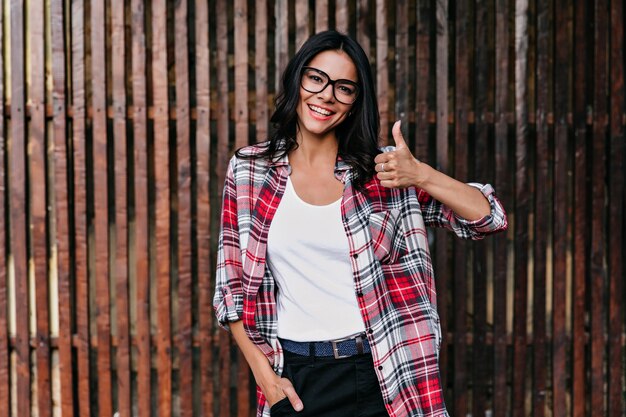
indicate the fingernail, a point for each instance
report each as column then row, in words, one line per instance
column 298, row 407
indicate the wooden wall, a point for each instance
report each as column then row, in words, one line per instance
column 119, row 117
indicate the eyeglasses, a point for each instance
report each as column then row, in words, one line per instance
column 315, row 81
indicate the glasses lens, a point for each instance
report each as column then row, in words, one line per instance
column 345, row 92
column 313, row 81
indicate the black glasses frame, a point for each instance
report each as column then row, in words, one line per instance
column 331, row 82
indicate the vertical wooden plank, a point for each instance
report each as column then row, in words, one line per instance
column 184, row 336
column 461, row 90
column 222, row 158
column 382, row 72
column 17, row 207
column 241, row 139
column 562, row 108
column 203, row 200
column 321, row 15
column 616, row 213
column 80, row 216
column 503, row 187
column 521, row 207
column 422, row 80
column 482, row 63
column 37, row 178
column 341, row 16
column 5, row 403
column 162, row 205
column 598, row 196
column 101, row 202
column 140, row 178
column 442, row 238
column 63, row 202
column 260, row 71
column 118, row 58
column 541, row 206
column 402, row 62
column 580, row 234
column 302, row 21
column 362, row 25
column 241, row 73
column 281, row 42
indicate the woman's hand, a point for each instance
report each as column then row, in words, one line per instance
column 278, row 388
column 399, row 168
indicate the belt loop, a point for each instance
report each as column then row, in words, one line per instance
column 312, row 352
column 359, row 344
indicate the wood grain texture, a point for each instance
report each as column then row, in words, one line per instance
column 162, row 232
column 502, row 183
column 461, row 101
column 422, row 79
column 184, row 336
column 580, row 234
column 342, row 16
column 402, row 109
column 261, row 71
column 18, row 208
column 363, row 25
column 521, row 208
column 597, row 318
column 203, row 207
column 241, row 73
column 616, row 401
column 121, row 281
column 542, row 216
column 281, row 40
column 561, row 213
column 5, row 399
column 302, row 22
column 38, row 204
column 382, row 71
column 141, row 223
column 101, row 203
column 223, row 149
column 321, row 15
column 442, row 256
column 482, row 76
column 79, row 156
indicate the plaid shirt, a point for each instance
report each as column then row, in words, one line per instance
column 389, row 255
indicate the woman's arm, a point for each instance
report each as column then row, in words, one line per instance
column 274, row 387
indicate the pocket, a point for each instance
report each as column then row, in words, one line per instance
column 280, row 407
column 387, row 233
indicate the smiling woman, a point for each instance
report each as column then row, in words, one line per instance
column 324, row 275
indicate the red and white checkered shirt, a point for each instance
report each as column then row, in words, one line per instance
column 391, row 264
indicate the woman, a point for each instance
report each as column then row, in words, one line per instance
column 324, row 275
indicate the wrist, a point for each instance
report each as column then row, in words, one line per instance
column 422, row 174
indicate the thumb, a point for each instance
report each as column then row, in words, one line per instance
column 294, row 399
column 397, row 135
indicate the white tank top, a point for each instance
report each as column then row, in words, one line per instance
column 308, row 255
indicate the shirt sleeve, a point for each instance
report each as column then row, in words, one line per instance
column 228, row 298
column 437, row 214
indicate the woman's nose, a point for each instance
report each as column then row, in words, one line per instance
column 327, row 93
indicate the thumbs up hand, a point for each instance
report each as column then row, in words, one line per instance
column 399, row 168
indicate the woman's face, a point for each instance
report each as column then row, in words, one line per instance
column 319, row 113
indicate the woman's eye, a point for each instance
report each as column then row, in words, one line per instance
column 346, row 89
column 315, row 78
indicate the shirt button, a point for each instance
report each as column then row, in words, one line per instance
column 356, row 255
column 360, row 294
column 370, row 331
column 380, row 368
column 389, row 402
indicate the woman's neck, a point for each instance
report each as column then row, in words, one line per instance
column 315, row 150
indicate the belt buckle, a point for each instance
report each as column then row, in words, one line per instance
column 336, row 349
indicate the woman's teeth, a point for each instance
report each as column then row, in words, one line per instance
column 320, row 110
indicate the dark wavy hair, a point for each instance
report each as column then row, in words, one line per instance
column 357, row 135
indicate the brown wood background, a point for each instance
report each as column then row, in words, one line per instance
column 119, row 117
